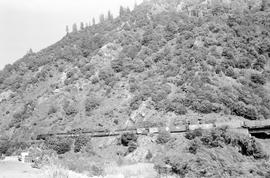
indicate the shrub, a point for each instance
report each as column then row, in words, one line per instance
column 88, row 148
column 127, row 138
column 52, row 110
column 117, row 65
column 23, row 113
column 163, row 137
column 95, row 80
column 219, row 137
column 193, row 134
column 70, row 108
column 14, row 146
column 91, row 104
column 204, row 107
column 258, row 79
column 4, row 145
column 243, row 63
column 230, row 72
column 176, row 107
column 149, row 155
column 107, row 75
column 193, row 147
column 59, row 144
column 246, row 111
column 132, row 146
column 80, row 142
column 260, row 63
column 131, row 51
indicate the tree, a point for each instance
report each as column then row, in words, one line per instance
column 122, row 11
column 258, row 78
column 265, row 5
column 93, row 21
column 30, row 51
column 67, row 29
column 110, row 16
column 80, row 142
column 135, row 4
column 81, row 26
column 74, row 28
column 59, row 144
column 101, row 18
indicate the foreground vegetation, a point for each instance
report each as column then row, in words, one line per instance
column 161, row 63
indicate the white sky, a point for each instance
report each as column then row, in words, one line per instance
column 36, row 24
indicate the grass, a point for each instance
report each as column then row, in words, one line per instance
column 138, row 170
column 56, row 171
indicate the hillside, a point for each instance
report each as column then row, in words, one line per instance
column 164, row 63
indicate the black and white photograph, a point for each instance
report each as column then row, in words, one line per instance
column 134, row 88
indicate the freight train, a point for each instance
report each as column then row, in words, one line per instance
column 248, row 126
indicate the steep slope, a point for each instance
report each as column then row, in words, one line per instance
column 163, row 63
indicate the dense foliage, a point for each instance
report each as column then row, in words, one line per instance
column 215, row 152
column 162, row 59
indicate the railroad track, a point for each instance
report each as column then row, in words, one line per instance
column 248, row 127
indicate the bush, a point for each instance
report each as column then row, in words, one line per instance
column 70, row 108
column 243, row 63
column 117, row 65
column 193, row 134
column 132, row 146
column 193, row 147
column 4, row 145
column 260, row 63
column 258, row 79
column 220, row 137
column 107, row 75
column 15, row 146
column 59, row 144
column 246, row 111
column 91, row 104
column 163, row 137
column 80, row 142
column 131, row 51
column 204, row 107
column 176, row 107
column 52, row 110
column 128, row 138
column 149, row 155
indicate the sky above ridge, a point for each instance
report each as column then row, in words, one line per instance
column 37, row 24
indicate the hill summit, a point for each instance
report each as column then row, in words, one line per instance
column 164, row 63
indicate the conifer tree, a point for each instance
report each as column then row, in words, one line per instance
column 110, row 16
column 265, row 5
column 67, row 29
column 93, row 21
column 128, row 10
column 135, row 4
column 122, row 11
column 82, row 26
column 30, row 51
column 101, row 18
column 74, row 28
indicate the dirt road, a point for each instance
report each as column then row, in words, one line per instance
column 12, row 168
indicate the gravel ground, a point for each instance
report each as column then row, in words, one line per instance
column 12, row 168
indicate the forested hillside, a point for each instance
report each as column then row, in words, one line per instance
column 163, row 63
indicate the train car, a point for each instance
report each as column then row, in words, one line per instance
column 201, row 126
column 230, row 124
column 257, row 124
column 153, row 130
column 142, row 131
column 44, row 136
column 179, row 129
